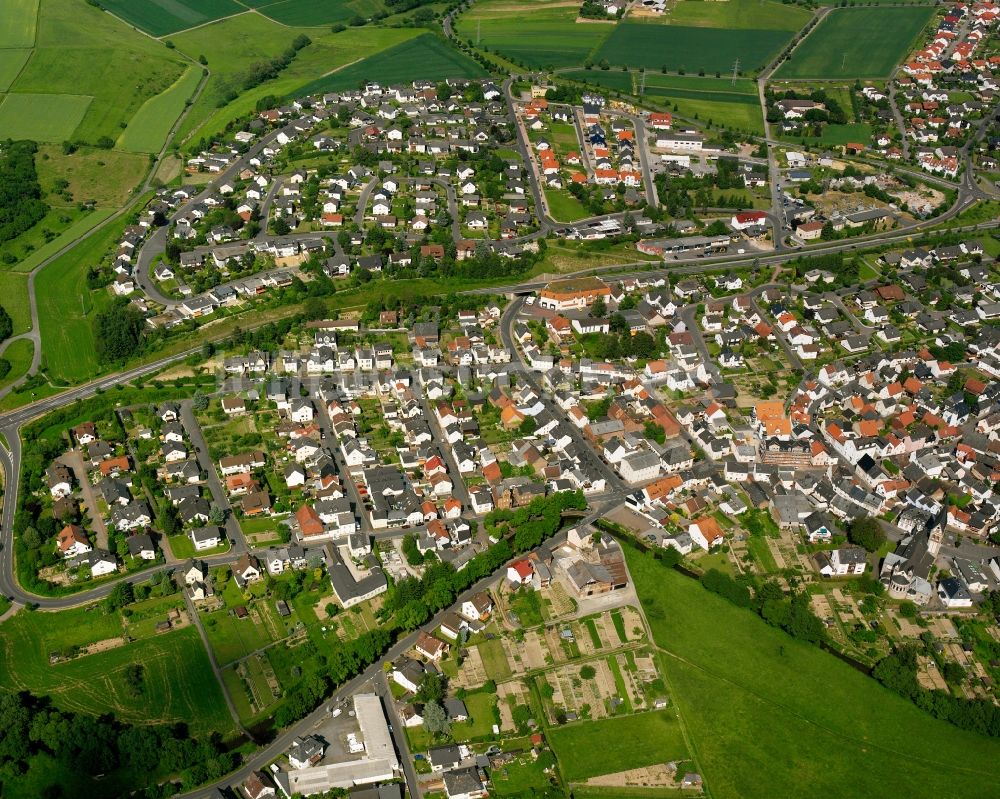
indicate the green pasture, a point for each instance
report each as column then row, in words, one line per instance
column 588, row 748
column 857, row 43
column 18, row 354
column 42, row 117
column 771, row 716
column 19, row 21
column 317, row 12
column 104, row 177
column 14, row 299
column 148, row 130
column 11, row 64
column 738, row 14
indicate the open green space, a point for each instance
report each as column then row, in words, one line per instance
column 66, row 237
column 857, row 43
column 148, row 130
column 589, row 748
column 162, row 17
column 750, row 14
column 14, row 299
column 102, row 177
column 564, row 207
column 19, row 18
column 42, row 117
column 317, row 12
column 18, row 355
column 542, row 34
column 427, row 56
column 179, row 684
column 80, row 50
column 690, row 48
column 232, row 638
column 11, row 64
column 768, row 715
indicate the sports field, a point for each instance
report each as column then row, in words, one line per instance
column 770, row 716
column 857, row 43
column 148, row 129
column 589, row 748
column 19, row 19
column 42, row 117
column 316, row 12
column 179, row 684
column 542, row 34
column 691, row 48
column 11, row 64
column 162, row 17
column 427, row 56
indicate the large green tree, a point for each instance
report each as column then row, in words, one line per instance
column 118, row 332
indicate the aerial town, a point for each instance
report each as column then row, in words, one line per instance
column 521, row 433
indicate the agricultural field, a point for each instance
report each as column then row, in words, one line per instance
column 690, row 48
column 42, row 117
column 82, row 52
column 11, row 64
column 316, row 12
column 587, row 749
column 162, row 17
column 739, row 14
column 148, row 129
column 427, row 56
column 746, row 694
column 539, row 34
column 857, row 43
column 19, row 17
column 178, row 685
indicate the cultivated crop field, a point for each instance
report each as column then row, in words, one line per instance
column 748, row 696
column 744, row 14
column 179, row 685
column 42, row 117
column 426, row 56
column 19, row 19
column 161, row 17
column 690, row 48
column 316, row 12
column 148, row 129
column 540, row 34
column 857, row 43
column 11, row 64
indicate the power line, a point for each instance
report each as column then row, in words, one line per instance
column 736, row 69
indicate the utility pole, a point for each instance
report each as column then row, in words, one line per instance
column 642, row 89
column 479, row 30
column 843, row 62
column 736, row 69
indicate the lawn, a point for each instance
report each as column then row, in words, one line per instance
column 11, row 63
column 747, row 694
column 148, row 129
column 233, row 638
column 80, row 50
column 494, row 659
column 19, row 19
column 690, row 48
column 857, row 43
column 316, row 12
column 427, row 56
column 179, row 683
column 589, row 748
column 544, row 34
column 42, row 117
column 162, row 17
column 564, row 207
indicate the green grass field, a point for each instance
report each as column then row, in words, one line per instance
column 564, row 207
column 857, row 43
column 14, row 299
column 68, row 236
column 690, row 48
column 426, row 56
column 19, row 20
column 104, row 177
column 589, row 748
column 316, row 12
column 11, row 64
column 148, row 129
column 80, row 50
column 18, row 354
column 162, row 17
column 42, row 117
column 180, row 686
column 770, row 716
column 738, row 14
column 232, row 638
column 540, row 35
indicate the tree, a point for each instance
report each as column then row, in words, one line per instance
column 866, row 532
column 217, row 515
column 6, row 324
column 432, row 688
column 134, row 680
column 599, row 309
column 435, row 719
column 199, row 401
column 118, row 331
column 588, row 672
column 121, row 595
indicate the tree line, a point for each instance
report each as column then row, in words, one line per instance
column 21, row 205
